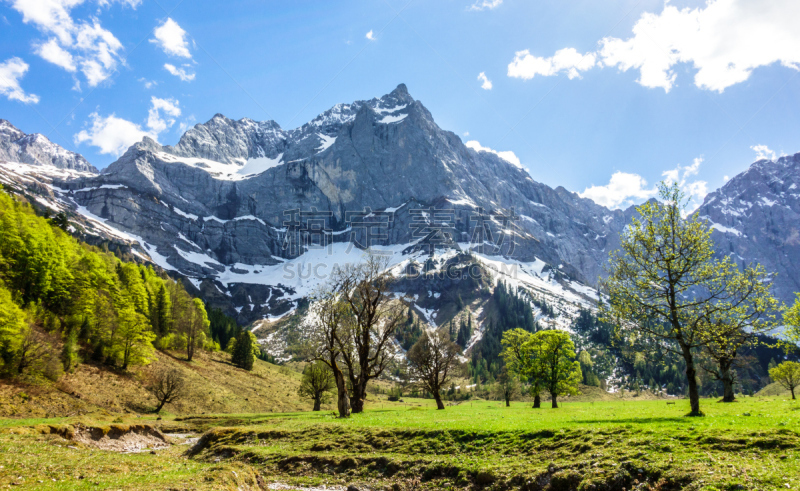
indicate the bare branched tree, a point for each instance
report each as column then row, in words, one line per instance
column 372, row 317
column 166, row 385
column 328, row 325
column 432, row 361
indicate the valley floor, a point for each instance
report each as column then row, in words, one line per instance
column 646, row 444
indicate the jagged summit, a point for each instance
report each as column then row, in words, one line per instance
column 37, row 149
column 214, row 206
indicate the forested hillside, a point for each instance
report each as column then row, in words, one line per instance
column 63, row 302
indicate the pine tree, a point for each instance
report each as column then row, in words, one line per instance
column 243, row 356
column 161, row 318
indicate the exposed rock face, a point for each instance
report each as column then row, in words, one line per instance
column 220, row 196
column 217, row 207
column 36, row 149
column 756, row 220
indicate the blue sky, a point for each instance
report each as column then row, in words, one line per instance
column 603, row 98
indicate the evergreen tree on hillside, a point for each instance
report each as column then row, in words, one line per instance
column 513, row 311
column 242, row 355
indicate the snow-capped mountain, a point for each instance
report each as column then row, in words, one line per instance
column 233, row 205
column 216, row 207
column 756, row 219
column 36, row 149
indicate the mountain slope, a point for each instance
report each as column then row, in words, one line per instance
column 222, row 206
column 36, row 149
column 214, row 206
column 756, row 220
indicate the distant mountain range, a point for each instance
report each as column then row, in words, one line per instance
column 217, row 208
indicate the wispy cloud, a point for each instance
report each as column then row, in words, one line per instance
column 724, row 40
column 370, row 35
column 625, row 189
column 181, row 73
column 11, row 71
column 73, row 45
column 486, row 4
column 763, row 152
column 486, row 84
column 507, row 155
column 113, row 135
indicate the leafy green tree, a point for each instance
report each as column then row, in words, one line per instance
column 132, row 342
column 520, row 357
column 787, row 374
column 12, row 328
column 69, row 350
column 555, row 353
column 243, row 356
column 791, row 319
column 664, row 284
column 507, row 385
column 316, row 384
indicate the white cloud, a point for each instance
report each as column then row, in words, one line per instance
column 113, row 135
column 763, row 152
column 84, row 44
column 186, row 123
column 508, row 156
column 486, row 4
column 181, row 73
column 623, row 190
column 129, row 3
column 486, row 83
column 694, row 190
column 724, row 41
column 148, row 84
column 626, row 189
column 57, row 55
column 11, row 71
column 370, row 35
column 172, row 39
column 466, row 133
column 526, row 66
column 158, row 122
column 726, row 178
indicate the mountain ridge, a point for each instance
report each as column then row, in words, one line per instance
column 213, row 206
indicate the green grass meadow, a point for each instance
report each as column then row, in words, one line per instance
column 648, row 444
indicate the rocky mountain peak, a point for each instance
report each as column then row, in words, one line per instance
column 37, row 149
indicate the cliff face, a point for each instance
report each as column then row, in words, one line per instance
column 756, row 220
column 237, row 206
column 222, row 196
column 36, row 149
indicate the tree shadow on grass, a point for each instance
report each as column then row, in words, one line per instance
column 672, row 419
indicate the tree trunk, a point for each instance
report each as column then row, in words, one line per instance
column 357, row 397
column 727, row 380
column 343, row 403
column 508, row 399
column 317, row 403
column 189, row 348
column 554, row 398
column 439, row 403
column 537, row 401
column 691, row 379
column 160, row 406
column 792, row 390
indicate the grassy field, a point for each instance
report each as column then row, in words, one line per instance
column 214, row 385
column 642, row 444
